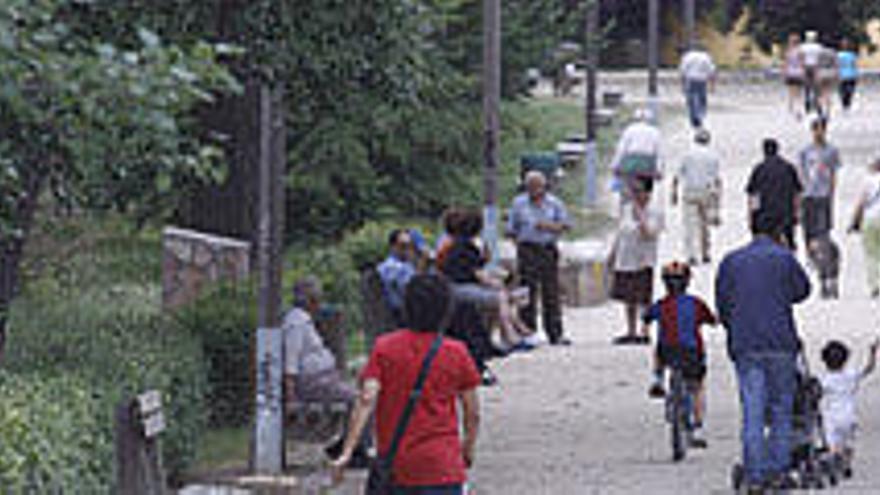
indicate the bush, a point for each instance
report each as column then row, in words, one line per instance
column 50, row 433
column 224, row 321
column 120, row 347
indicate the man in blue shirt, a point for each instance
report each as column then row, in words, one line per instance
column 755, row 289
column 536, row 221
column 848, row 65
column 396, row 272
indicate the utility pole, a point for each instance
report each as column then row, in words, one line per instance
column 491, row 120
column 591, row 54
column 267, row 441
column 690, row 22
column 653, row 54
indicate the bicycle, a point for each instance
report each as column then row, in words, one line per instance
column 679, row 410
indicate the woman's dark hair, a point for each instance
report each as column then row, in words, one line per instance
column 426, row 302
column 393, row 235
column 452, row 220
column 471, row 224
column 835, row 355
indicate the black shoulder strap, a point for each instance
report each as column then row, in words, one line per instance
column 414, row 397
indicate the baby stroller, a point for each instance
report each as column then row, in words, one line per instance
column 812, row 467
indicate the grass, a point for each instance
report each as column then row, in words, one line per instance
column 223, row 449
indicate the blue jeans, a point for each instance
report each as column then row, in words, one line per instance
column 766, row 387
column 695, row 93
column 428, row 490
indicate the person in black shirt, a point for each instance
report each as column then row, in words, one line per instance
column 775, row 188
column 464, row 264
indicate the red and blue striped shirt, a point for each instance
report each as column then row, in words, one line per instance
column 680, row 318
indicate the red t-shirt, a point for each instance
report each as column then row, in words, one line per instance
column 430, row 452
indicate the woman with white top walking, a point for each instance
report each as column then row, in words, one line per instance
column 866, row 219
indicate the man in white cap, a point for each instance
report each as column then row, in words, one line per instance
column 700, row 178
column 637, row 154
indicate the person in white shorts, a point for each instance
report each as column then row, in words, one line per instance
column 840, row 384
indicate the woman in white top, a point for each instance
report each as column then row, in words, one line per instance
column 867, row 220
column 635, row 255
column 793, row 72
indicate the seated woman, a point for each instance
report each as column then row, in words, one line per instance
column 464, row 266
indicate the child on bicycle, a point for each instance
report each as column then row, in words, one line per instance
column 679, row 316
column 838, row 405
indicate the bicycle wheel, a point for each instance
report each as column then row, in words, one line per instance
column 678, row 415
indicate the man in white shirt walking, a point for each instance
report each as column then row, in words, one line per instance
column 697, row 77
column 700, row 178
column 637, row 154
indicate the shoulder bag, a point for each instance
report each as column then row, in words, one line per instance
column 379, row 479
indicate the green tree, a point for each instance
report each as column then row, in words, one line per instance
column 89, row 126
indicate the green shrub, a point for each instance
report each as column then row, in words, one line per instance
column 51, row 433
column 224, row 321
column 120, row 347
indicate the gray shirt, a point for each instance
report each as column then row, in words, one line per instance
column 525, row 215
column 305, row 353
column 818, row 164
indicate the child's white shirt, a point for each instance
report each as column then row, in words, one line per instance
column 839, row 390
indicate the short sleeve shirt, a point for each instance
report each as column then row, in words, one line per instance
column 847, row 61
column 697, row 65
column 839, row 394
column 395, row 274
column 430, row 452
column 635, row 251
column 774, row 184
column 818, row 164
column 699, row 170
column 462, row 262
column 525, row 215
column 679, row 320
column 304, row 349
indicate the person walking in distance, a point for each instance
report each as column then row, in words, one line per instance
column 775, row 188
column 536, row 221
column 811, row 52
column 637, row 155
column 755, row 289
column 700, row 178
column 819, row 162
column 793, row 73
column 848, row 65
column 697, row 77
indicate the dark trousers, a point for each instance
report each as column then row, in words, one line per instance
column 847, row 90
column 538, row 267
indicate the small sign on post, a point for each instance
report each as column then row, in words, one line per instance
column 138, row 458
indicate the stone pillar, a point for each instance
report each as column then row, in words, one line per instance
column 192, row 261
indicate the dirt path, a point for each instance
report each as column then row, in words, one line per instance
column 578, row 420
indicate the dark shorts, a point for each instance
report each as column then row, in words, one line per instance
column 693, row 365
column 794, row 81
column 634, row 287
column 816, row 217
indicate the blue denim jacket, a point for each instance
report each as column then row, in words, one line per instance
column 755, row 289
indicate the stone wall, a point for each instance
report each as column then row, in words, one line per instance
column 193, row 261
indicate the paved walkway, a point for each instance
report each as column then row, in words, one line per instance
column 578, row 420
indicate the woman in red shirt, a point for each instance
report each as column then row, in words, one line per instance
column 433, row 457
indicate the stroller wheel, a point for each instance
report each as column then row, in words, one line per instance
column 737, row 476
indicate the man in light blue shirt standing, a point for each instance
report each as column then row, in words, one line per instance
column 848, row 65
column 396, row 272
column 537, row 219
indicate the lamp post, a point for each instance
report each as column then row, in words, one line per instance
column 653, row 54
column 491, row 120
column 690, row 22
column 591, row 54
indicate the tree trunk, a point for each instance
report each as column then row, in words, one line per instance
column 12, row 249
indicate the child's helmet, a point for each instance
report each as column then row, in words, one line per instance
column 676, row 275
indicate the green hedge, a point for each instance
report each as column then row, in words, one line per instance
column 120, row 344
column 224, row 321
column 50, row 430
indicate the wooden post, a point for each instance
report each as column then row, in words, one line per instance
column 491, row 119
column 591, row 54
column 267, row 444
column 138, row 455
